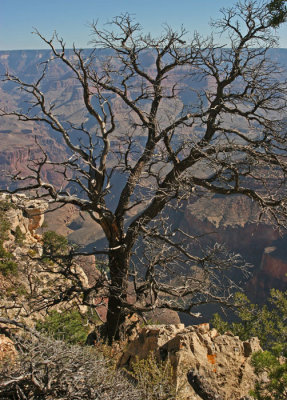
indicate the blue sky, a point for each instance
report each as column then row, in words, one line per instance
column 71, row 18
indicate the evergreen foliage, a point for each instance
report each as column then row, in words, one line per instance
column 7, row 263
column 274, row 363
column 54, row 244
column 4, row 224
column 278, row 12
column 65, row 325
column 19, row 236
column 8, row 266
column 269, row 323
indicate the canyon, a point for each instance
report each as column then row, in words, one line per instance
column 234, row 221
column 205, row 364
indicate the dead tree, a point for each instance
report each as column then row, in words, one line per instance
column 48, row 368
column 227, row 139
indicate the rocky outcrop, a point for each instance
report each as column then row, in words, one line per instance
column 24, row 213
column 7, row 349
column 206, row 365
column 33, row 282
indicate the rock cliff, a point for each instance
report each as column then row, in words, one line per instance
column 272, row 272
column 32, row 285
column 235, row 222
column 206, row 365
column 26, row 214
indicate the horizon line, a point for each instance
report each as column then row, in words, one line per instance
column 89, row 48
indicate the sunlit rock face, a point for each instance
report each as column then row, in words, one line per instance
column 25, row 214
column 7, row 349
column 206, row 365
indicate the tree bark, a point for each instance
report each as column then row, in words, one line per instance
column 118, row 264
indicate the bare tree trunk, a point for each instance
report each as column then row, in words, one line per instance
column 118, row 264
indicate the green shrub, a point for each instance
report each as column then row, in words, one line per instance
column 16, row 290
column 7, row 264
column 274, row 363
column 54, row 244
column 66, row 325
column 8, row 267
column 4, row 227
column 4, row 224
column 6, row 205
column 19, row 236
column 154, row 378
column 268, row 322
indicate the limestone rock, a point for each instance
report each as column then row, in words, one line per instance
column 7, row 349
column 27, row 214
column 207, row 365
column 34, row 282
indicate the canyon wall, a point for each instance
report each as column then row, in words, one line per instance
column 235, row 221
column 232, row 220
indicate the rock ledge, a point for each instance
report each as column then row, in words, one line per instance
column 206, row 364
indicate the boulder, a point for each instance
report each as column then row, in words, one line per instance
column 206, row 364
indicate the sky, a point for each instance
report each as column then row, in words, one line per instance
column 72, row 18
